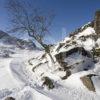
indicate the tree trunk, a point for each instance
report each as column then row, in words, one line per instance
column 51, row 58
column 45, row 46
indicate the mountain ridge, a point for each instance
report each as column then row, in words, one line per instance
column 5, row 38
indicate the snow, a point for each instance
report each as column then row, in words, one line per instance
column 88, row 44
column 23, row 84
column 14, row 78
column 6, row 78
column 75, row 78
column 27, row 93
column 86, row 32
column 17, row 79
column 66, row 39
column 98, row 42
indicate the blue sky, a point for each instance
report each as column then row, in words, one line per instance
column 69, row 14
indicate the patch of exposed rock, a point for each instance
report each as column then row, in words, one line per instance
column 88, row 83
column 10, row 98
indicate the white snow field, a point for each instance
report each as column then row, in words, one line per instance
column 13, row 80
column 20, row 81
column 17, row 81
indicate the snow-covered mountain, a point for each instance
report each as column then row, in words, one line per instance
column 78, row 54
column 30, row 75
column 10, row 40
column 77, row 49
column 76, row 65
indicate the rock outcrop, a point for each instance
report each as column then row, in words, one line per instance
column 87, row 81
column 97, row 22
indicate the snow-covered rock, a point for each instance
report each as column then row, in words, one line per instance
column 27, row 75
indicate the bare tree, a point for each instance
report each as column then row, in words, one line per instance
column 27, row 19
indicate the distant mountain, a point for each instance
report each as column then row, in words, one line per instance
column 7, row 39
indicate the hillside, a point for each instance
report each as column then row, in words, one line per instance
column 30, row 75
column 7, row 39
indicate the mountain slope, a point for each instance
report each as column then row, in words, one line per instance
column 75, row 75
column 10, row 40
column 76, row 58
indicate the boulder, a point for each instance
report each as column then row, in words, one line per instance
column 48, row 82
column 88, row 83
column 10, row 98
